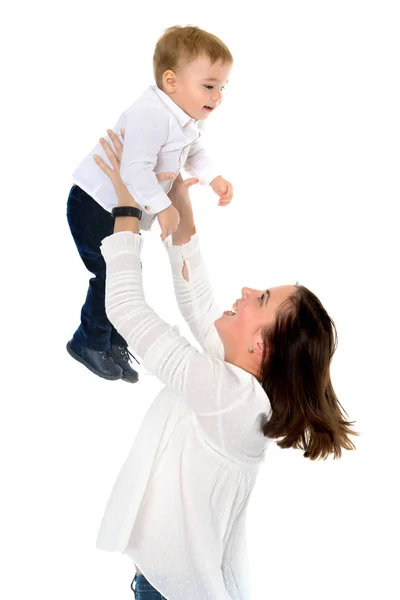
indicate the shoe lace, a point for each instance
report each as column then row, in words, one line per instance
column 126, row 354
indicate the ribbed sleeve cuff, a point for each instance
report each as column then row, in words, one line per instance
column 121, row 242
column 177, row 254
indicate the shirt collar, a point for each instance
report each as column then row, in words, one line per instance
column 182, row 118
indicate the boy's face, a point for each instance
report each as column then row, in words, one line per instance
column 197, row 87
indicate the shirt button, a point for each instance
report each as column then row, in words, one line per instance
column 147, row 208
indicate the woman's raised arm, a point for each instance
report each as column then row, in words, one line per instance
column 191, row 283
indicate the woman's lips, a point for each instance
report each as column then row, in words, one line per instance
column 232, row 312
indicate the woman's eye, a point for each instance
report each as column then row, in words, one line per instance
column 223, row 87
column 261, row 298
column 209, row 87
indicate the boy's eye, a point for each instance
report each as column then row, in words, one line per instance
column 211, row 87
column 261, row 298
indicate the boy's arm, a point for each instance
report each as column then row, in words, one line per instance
column 199, row 165
column 146, row 132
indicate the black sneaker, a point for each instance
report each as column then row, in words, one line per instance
column 98, row 361
column 121, row 357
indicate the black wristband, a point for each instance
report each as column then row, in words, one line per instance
column 126, row 211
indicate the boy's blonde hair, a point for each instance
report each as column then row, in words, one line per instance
column 179, row 44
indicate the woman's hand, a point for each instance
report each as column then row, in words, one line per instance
column 179, row 196
column 169, row 218
column 179, row 193
column 125, row 198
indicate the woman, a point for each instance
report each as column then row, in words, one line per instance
column 178, row 507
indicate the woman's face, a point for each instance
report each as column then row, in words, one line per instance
column 254, row 310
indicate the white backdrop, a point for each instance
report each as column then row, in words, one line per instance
column 309, row 135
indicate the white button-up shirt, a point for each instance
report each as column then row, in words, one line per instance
column 159, row 137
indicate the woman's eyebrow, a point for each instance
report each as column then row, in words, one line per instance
column 267, row 294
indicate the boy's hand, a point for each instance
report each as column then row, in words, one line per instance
column 223, row 188
column 169, row 220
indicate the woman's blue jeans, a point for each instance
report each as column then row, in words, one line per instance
column 143, row 590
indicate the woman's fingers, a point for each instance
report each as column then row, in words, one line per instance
column 123, row 133
column 103, row 165
column 167, row 232
column 116, row 143
column 111, row 155
column 191, row 181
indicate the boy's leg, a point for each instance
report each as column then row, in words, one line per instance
column 90, row 224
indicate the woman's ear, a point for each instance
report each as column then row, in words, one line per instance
column 258, row 347
column 169, row 81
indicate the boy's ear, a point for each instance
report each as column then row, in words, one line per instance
column 169, row 81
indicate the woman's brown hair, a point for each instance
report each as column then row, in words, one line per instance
column 295, row 374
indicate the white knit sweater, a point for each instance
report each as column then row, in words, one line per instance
column 178, row 506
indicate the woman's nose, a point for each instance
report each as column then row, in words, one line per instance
column 246, row 292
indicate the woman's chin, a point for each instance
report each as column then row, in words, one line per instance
column 222, row 322
column 217, row 323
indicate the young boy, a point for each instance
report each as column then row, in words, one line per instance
column 191, row 67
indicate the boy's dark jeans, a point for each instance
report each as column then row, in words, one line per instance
column 90, row 224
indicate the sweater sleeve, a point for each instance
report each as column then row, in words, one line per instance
column 195, row 297
column 164, row 352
